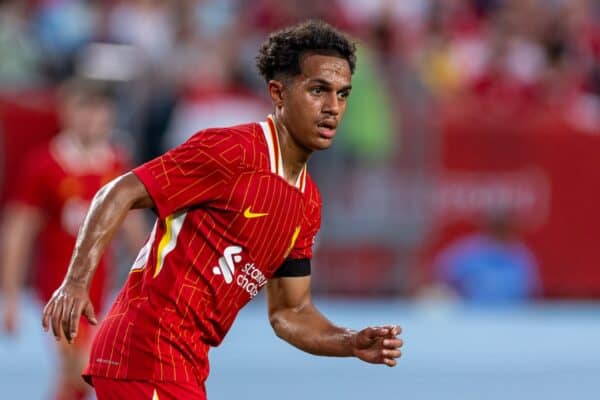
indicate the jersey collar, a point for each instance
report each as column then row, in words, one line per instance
column 275, row 158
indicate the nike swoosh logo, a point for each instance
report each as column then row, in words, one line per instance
column 250, row 214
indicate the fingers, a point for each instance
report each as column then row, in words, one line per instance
column 391, row 353
column 391, row 346
column 376, row 332
column 48, row 308
column 390, row 362
column 65, row 318
column 394, row 330
column 73, row 319
column 89, row 314
column 393, row 343
column 383, row 331
column 389, row 356
column 75, row 315
column 55, row 320
column 62, row 315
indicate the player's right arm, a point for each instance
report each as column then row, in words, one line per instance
column 106, row 214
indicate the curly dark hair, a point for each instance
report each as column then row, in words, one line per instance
column 281, row 53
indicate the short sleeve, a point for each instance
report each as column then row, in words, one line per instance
column 193, row 173
column 303, row 248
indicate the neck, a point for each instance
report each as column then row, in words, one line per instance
column 293, row 155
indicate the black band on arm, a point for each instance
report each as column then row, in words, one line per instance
column 293, row 267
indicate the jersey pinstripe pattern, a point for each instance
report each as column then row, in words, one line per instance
column 205, row 258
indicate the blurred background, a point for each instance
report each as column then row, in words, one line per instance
column 460, row 197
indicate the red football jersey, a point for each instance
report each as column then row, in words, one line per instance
column 60, row 181
column 227, row 220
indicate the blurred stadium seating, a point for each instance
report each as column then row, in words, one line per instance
column 460, row 108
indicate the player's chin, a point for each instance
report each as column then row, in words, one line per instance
column 321, row 143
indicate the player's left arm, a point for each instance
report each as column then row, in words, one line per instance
column 295, row 319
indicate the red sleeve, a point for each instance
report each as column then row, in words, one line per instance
column 31, row 185
column 303, row 248
column 193, row 173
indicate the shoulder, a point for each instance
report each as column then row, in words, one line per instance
column 239, row 136
column 311, row 191
column 240, row 143
column 312, row 196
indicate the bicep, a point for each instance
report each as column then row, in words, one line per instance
column 288, row 293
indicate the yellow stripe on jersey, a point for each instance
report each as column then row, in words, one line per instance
column 173, row 224
column 292, row 242
column 155, row 395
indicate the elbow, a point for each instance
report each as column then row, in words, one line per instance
column 111, row 191
column 277, row 323
column 284, row 321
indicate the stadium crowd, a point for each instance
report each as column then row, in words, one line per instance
column 177, row 67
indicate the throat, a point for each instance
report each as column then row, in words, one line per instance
column 293, row 156
column 287, row 156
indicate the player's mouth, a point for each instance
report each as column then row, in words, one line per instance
column 327, row 128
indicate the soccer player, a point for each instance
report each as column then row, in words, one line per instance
column 237, row 212
column 54, row 189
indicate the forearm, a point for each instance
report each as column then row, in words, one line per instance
column 307, row 329
column 105, row 215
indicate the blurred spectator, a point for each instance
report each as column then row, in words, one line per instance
column 145, row 24
column 19, row 54
column 490, row 267
column 62, row 28
column 55, row 186
column 504, row 67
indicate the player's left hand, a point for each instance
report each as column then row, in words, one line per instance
column 379, row 345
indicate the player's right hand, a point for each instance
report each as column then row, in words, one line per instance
column 64, row 310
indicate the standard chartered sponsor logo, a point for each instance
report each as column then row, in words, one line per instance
column 250, row 278
column 227, row 263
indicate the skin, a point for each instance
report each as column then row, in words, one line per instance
column 308, row 108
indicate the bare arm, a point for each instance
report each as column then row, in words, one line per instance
column 295, row 319
column 107, row 211
column 19, row 228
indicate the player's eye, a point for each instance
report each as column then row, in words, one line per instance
column 343, row 95
column 317, row 90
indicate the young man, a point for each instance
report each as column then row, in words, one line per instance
column 236, row 211
column 53, row 191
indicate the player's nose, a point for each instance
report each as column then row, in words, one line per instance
column 331, row 104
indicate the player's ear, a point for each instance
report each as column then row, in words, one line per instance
column 276, row 91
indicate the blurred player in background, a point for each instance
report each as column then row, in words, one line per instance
column 43, row 215
column 237, row 211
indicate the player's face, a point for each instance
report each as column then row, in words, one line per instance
column 314, row 103
column 90, row 119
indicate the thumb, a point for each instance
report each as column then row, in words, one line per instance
column 88, row 311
